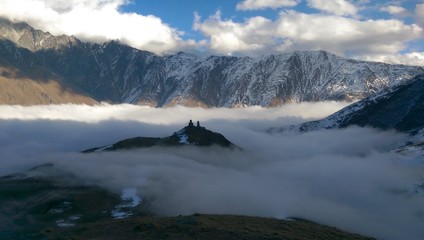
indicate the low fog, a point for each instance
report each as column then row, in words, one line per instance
column 346, row 178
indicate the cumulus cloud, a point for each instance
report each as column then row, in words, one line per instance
column 98, row 20
column 263, row 4
column 345, row 178
column 336, row 7
column 394, row 10
column 413, row 58
column 343, row 35
column 227, row 36
column 419, row 12
column 337, row 28
column 299, row 31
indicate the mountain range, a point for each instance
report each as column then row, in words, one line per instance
column 37, row 67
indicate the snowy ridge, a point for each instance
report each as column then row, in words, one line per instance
column 266, row 81
column 399, row 107
column 117, row 73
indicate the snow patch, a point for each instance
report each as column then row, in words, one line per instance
column 120, row 214
column 183, row 137
column 64, row 206
column 64, row 223
column 74, row 217
column 129, row 199
column 103, row 148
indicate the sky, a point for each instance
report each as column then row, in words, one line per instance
column 388, row 31
column 345, row 178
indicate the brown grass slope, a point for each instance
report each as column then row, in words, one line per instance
column 22, row 90
column 203, row 227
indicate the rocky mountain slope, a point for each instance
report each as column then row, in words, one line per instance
column 400, row 108
column 189, row 135
column 120, row 74
column 26, row 79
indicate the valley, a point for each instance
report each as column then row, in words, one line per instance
column 97, row 142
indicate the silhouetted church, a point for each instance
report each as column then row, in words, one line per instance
column 190, row 124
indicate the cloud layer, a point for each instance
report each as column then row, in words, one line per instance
column 344, row 178
column 296, row 30
column 98, row 20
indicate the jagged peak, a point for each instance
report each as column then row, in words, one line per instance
column 26, row 36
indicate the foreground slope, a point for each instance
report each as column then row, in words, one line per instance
column 120, row 74
column 207, row 227
column 45, row 204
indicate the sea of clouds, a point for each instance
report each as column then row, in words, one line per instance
column 347, row 178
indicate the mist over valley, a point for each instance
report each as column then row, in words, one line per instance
column 248, row 119
column 348, row 178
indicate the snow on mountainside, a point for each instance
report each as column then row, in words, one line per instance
column 25, row 36
column 120, row 74
column 400, row 108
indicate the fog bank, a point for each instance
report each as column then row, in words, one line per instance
column 346, row 178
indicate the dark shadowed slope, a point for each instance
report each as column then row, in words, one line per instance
column 208, row 227
column 400, row 108
column 40, row 206
column 26, row 80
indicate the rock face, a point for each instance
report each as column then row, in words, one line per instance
column 189, row 135
column 400, row 108
column 26, row 78
column 117, row 73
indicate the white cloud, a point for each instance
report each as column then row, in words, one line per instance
column 394, row 10
column 98, row 20
column 300, row 31
column 344, row 178
column 227, row 37
column 419, row 13
column 263, row 4
column 129, row 112
column 413, row 58
column 336, row 7
column 344, row 35
column 333, row 30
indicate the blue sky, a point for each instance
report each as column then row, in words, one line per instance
column 388, row 31
column 180, row 13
